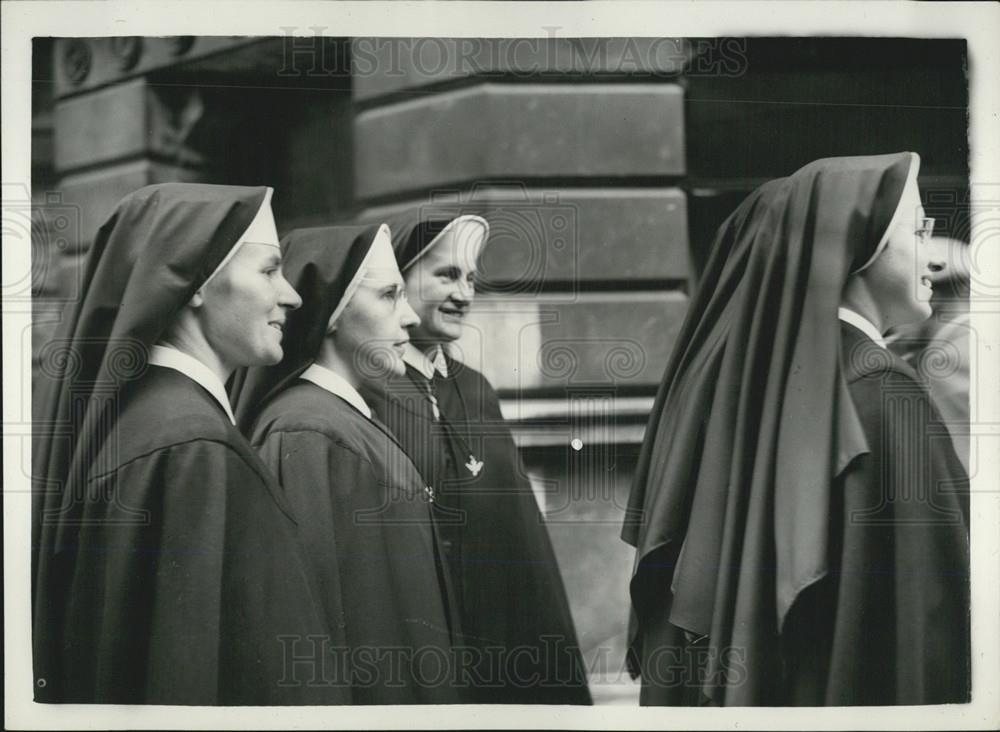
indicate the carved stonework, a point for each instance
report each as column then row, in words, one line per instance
column 174, row 113
column 83, row 64
column 77, row 59
column 127, row 50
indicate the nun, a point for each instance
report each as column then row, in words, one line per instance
column 799, row 514
column 366, row 510
column 518, row 630
column 168, row 567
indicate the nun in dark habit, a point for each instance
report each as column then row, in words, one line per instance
column 167, row 561
column 365, row 509
column 799, row 514
column 518, row 634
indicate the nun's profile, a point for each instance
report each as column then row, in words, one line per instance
column 167, row 560
column 799, row 514
column 365, row 509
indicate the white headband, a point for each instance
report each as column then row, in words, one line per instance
column 260, row 231
column 381, row 248
column 911, row 179
column 454, row 223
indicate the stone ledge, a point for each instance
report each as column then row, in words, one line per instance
column 604, row 341
column 382, row 66
column 569, row 235
column 82, row 64
column 495, row 132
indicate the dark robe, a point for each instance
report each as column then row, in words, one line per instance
column 187, row 582
column 889, row 624
column 889, row 621
column 497, row 547
column 369, row 533
column 167, row 569
column 756, row 579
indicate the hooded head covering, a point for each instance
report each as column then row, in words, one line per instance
column 325, row 265
column 261, row 230
column 158, row 247
column 413, row 237
column 752, row 421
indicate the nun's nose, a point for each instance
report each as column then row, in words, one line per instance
column 938, row 254
column 466, row 291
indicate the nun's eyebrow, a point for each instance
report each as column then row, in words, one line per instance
column 274, row 260
column 382, row 281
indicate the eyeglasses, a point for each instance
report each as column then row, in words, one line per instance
column 926, row 229
column 378, row 283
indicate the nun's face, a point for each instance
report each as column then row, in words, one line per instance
column 441, row 284
column 900, row 277
column 374, row 328
column 245, row 306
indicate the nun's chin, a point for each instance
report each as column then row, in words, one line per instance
column 389, row 363
column 396, row 367
column 274, row 356
column 445, row 328
column 431, row 332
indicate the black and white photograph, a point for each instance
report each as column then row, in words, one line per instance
column 461, row 370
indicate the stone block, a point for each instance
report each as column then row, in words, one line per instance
column 569, row 235
column 46, row 316
column 125, row 121
column 616, row 341
column 108, row 124
column 56, row 276
column 583, row 494
column 381, row 66
column 92, row 196
column 514, row 132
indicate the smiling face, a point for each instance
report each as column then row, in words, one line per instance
column 243, row 308
column 441, row 283
column 900, row 277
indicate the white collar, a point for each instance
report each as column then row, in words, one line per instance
column 171, row 358
column 861, row 323
column 337, row 385
column 426, row 363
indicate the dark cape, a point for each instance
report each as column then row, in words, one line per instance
column 370, row 539
column 898, row 557
column 514, row 611
column 515, row 615
column 366, row 518
column 168, row 569
column 800, row 536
